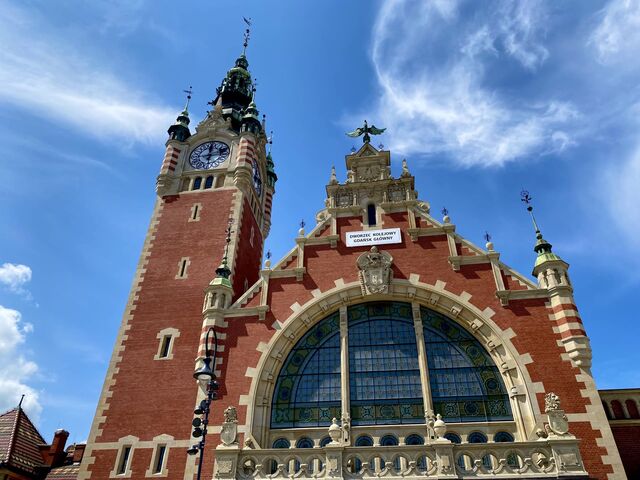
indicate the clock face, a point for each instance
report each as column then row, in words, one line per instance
column 209, row 155
column 257, row 180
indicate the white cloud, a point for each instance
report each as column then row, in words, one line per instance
column 15, row 276
column 622, row 197
column 617, row 36
column 521, row 25
column 15, row 369
column 42, row 74
column 440, row 104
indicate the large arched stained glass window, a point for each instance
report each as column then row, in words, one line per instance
column 465, row 384
column 384, row 374
column 307, row 393
column 384, row 371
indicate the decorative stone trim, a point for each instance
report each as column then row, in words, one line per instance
column 160, row 440
column 478, row 323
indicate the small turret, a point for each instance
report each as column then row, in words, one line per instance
column 180, row 129
column 219, row 292
column 250, row 119
column 550, row 270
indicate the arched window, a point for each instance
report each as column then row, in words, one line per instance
column 384, row 371
column 388, row 441
column 364, row 441
column 197, row 183
column 208, row 183
column 466, row 386
column 304, row 442
column 307, row 393
column 502, row 437
column 325, row 441
column 384, row 375
column 281, row 443
column 414, row 440
column 453, row 437
column 477, row 437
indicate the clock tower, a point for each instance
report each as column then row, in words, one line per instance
column 214, row 194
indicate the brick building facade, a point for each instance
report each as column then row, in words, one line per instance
column 403, row 351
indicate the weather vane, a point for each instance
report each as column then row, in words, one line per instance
column 487, row 237
column 366, row 130
column 526, row 198
column 270, row 140
column 268, row 255
column 188, row 92
column 302, row 223
column 247, row 34
column 444, row 211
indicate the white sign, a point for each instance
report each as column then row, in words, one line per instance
column 373, row 237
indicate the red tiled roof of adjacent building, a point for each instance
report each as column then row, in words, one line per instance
column 19, row 441
column 66, row 472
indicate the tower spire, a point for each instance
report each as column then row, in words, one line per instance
column 223, row 272
column 180, row 129
column 542, row 246
column 247, row 35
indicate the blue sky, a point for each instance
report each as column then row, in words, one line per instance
column 481, row 98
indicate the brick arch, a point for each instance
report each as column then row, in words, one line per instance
column 632, row 408
column 456, row 307
column 616, row 408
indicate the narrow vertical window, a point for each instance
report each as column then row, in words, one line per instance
column 158, row 463
column 165, row 347
column 197, row 183
column 196, row 208
column 208, row 183
column 183, row 265
column 124, row 460
column 251, row 237
column 371, row 214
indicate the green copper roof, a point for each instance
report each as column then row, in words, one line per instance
column 546, row 257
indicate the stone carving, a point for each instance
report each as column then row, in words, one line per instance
column 229, row 432
column 335, row 432
column 375, row 271
column 405, row 169
column 551, row 402
column 367, row 174
column 558, row 421
column 224, row 466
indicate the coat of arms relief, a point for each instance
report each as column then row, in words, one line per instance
column 375, row 271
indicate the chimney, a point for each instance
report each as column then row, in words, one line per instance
column 56, row 454
column 78, row 452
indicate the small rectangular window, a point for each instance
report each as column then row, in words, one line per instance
column 166, row 345
column 124, row 460
column 159, row 460
column 371, row 214
column 183, row 268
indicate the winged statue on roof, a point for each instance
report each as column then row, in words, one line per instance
column 366, row 130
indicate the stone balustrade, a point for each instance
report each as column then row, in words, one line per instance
column 552, row 457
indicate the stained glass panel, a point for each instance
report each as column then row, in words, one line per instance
column 465, row 384
column 307, row 392
column 384, row 376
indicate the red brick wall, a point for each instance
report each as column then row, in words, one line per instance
column 165, row 302
column 628, row 441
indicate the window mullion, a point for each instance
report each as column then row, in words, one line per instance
column 344, row 374
column 422, row 362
